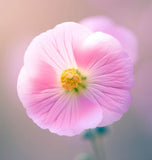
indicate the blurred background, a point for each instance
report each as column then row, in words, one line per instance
column 20, row 21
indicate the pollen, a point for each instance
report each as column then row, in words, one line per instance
column 71, row 79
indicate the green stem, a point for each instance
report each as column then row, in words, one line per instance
column 95, row 149
column 95, row 135
column 103, row 151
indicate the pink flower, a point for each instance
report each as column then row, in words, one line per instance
column 123, row 35
column 74, row 79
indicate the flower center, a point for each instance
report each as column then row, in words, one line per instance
column 72, row 79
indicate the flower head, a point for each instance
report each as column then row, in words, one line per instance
column 74, row 79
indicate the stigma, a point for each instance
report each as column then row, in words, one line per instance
column 72, row 80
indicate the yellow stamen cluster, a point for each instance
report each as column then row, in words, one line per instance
column 70, row 79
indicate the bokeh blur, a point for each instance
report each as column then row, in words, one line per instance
column 22, row 20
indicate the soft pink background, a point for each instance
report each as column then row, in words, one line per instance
column 20, row 21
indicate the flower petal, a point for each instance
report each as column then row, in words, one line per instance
column 110, row 81
column 94, row 47
column 109, row 117
column 71, row 115
column 55, row 47
column 38, row 83
column 123, row 35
